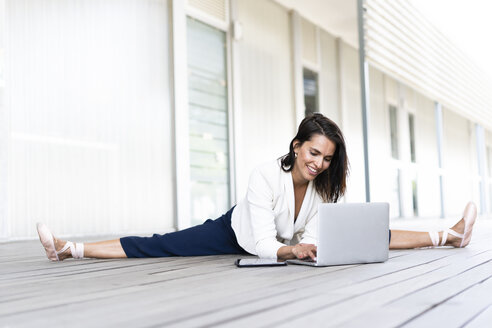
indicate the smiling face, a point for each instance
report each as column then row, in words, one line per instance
column 313, row 157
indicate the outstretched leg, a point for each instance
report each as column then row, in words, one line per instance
column 107, row 249
column 210, row 238
column 58, row 250
column 409, row 239
column 458, row 236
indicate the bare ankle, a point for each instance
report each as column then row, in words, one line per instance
column 59, row 246
column 451, row 240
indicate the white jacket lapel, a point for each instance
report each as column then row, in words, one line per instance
column 289, row 193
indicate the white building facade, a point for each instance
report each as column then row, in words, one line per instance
column 142, row 116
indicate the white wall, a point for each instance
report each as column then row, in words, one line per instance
column 457, row 163
column 4, row 130
column 426, row 153
column 380, row 160
column 267, row 122
column 329, row 89
column 488, row 167
column 90, row 120
column 351, row 123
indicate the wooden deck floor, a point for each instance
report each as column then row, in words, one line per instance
column 415, row 288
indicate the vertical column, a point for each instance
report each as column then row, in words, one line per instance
column 235, row 110
column 181, row 127
column 364, row 87
column 321, row 76
column 4, row 126
column 406, row 174
column 297, row 67
column 480, row 135
column 439, row 134
column 340, row 82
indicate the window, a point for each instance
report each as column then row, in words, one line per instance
column 208, row 121
column 310, row 91
column 395, row 200
column 394, row 132
column 414, row 198
column 489, row 158
column 489, row 171
column 411, row 125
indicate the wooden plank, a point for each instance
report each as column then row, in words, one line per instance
column 306, row 268
column 253, row 305
column 85, row 278
column 465, row 303
column 245, row 272
column 339, row 304
column 408, row 308
column 482, row 319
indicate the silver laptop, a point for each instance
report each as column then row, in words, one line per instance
column 350, row 233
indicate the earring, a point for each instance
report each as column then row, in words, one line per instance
column 295, row 155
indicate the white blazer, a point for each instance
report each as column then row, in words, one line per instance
column 264, row 220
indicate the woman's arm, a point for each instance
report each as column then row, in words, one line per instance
column 260, row 198
column 299, row 251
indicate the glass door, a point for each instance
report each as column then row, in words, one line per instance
column 208, row 121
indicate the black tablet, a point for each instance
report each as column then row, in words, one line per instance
column 245, row 263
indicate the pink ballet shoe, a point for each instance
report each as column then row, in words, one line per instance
column 469, row 216
column 48, row 242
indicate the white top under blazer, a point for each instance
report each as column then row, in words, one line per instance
column 264, row 220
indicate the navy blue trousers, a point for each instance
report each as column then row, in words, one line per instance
column 213, row 237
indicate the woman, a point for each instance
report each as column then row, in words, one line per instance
column 276, row 219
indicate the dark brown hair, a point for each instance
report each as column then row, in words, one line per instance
column 331, row 183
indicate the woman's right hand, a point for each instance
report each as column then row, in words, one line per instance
column 302, row 251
